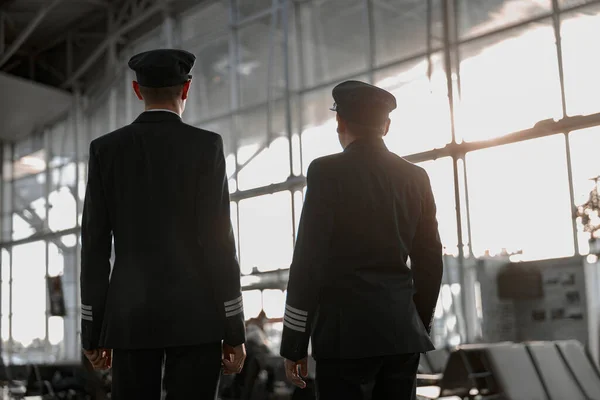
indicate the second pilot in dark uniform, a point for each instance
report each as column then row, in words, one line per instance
column 351, row 289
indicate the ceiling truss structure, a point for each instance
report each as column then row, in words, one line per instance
column 76, row 52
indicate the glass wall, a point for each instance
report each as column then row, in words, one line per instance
column 473, row 80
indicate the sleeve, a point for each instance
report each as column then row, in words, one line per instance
column 314, row 234
column 96, row 244
column 427, row 259
column 221, row 249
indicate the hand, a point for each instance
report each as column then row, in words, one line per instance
column 296, row 370
column 233, row 358
column 101, row 359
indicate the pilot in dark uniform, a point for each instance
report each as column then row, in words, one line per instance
column 158, row 187
column 351, row 288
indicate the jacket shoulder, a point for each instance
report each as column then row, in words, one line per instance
column 325, row 163
column 410, row 169
column 203, row 134
column 108, row 139
column 113, row 138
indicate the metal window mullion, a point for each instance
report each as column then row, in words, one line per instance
column 46, row 225
column 301, row 77
column 234, row 102
column 429, row 38
column 556, row 26
column 447, row 20
column 288, row 107
column 11, row 252
column 371, row 43
column 467, row 206
column 571, row 193
column 457, row 16
column 270, row 67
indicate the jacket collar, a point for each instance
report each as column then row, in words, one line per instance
column 157, row 116
column 370, row 143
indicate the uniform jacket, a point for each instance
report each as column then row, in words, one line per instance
column 365, row 213
column 158, row 187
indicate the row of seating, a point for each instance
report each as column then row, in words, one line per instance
column 513, row 371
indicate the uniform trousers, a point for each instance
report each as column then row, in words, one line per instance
column 175, row 373
column 376, row 378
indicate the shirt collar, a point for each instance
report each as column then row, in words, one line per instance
column 162, row 109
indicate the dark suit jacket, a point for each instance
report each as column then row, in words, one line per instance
column 159, row 187
column 366, row 212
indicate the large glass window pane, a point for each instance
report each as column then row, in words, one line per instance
column 441, row 176
column 572, row 3
column 585, row 150
column 401, row 28
column 263, row 153
column 273, row 303
column 477, row 17
column 334, row 39
column 266, row 232
column 246, row 8
column 252, row 303
column 261, row 63
column 98, row 120
column 63, row 204
column 422, row 120
column 519, row 199
column 581, row 64
column 224, row 128
column 205, row 21
column 509, row 82
column 29, row 302
column 29, row 157
column 29, row 145
column 30, row 205
column 209, row 94
column 62, row 331
column 62, row 143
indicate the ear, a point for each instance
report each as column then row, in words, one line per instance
column 136, row 89
column 186, row 89
column 387, row 127
column 341, row 124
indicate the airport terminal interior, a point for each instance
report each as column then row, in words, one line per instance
column 498, row 100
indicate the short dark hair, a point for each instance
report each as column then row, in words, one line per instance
column 364, row 130
column 161, row 94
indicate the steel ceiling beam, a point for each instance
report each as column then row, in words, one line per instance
column 87, row 20
column 28, row 31
column 131, row 24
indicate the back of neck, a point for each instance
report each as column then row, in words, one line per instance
column 169, row 107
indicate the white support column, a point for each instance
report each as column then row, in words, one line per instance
column 71, row 322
